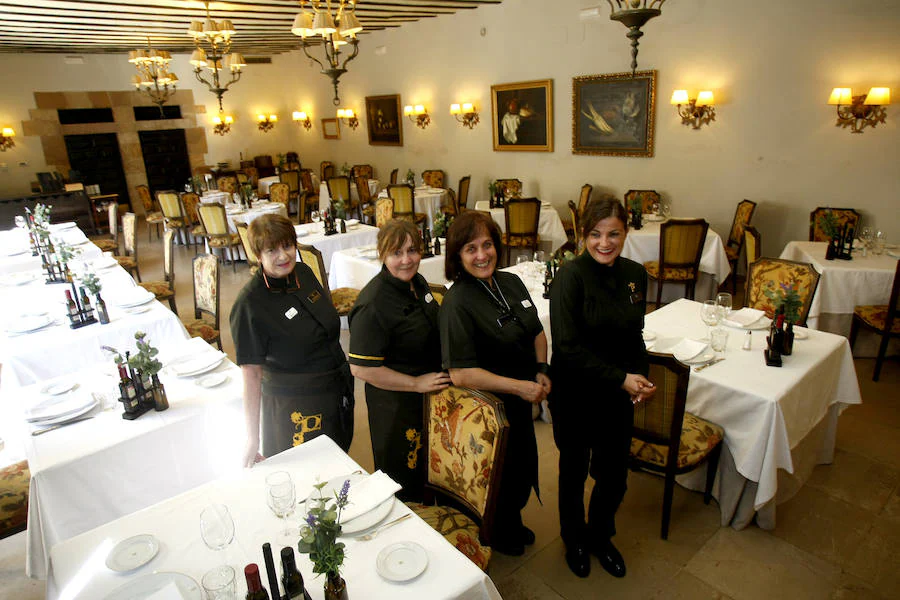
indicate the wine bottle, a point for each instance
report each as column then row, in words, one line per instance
column 126, row 389
column 788, row 346
column 255, row 589
column 85, row 301
column 101, row 311
column 437, row 246
column 270, row 569
column 71, row 307
column 290, row 576
column 778, row 331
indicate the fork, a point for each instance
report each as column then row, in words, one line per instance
column 709, row 364
column 375, row 532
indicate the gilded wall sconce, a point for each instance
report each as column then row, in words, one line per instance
column 418, row 115
column 694, row 111
column 6, row 139
column 302, row 118
column 465, row 114
column 266, row 122
column 859, row 112
column 348, row 117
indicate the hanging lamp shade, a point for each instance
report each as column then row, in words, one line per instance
column 226, row 28
column 350, row 25
column 136, row 80
column 236, row 61
column 303, row 25
column 198, row 58
column 323, row 24
column 196, row 29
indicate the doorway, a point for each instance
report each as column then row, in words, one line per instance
column 165, row 159
column 97, row 159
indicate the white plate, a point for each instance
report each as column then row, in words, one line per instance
column 655, row 218
column 59, row 387
column 196, row 365
column 147, row 585
column 700, row 359
column 800, row 333
column 104, row 262
column 131, row 553
column 351, row 222
column 29, row 323
column 68, row 416
column 20, row 278
column 401, row 561
column 211, row 381
column 57, row 406
column 136, row 310
column 687, row 349
column 134, row 299
column 761, row 323
column 63, row 226
column 302, row 233
column 363, row 521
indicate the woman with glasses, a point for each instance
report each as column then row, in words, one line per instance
column 286, row 339
column 395, row 348
column 492, row 340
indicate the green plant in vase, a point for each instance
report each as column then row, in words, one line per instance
column 787, row 295
column 829, row 224
column 345, row 170
column 442, row 224
column 339, row 208
column 411, row 177
column 318, row 538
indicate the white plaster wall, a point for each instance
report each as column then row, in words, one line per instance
column 771, row 65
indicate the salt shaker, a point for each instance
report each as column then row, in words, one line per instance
column 748, row 341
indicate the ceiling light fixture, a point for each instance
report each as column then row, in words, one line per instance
column 217, row 36
column 154, row 78
column 633, row 14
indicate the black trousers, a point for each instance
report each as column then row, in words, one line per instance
column 592, row 430
column 520, row 469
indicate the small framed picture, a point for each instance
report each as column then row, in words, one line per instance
column 383, row 120
column 522, row 115
column 331, row 129
column 613, row 115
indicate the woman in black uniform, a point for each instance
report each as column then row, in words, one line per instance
column 492, row 339
column 286, row 341
column 597, row 305
column 396, row 350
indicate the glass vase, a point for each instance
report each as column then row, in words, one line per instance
column 335, row 587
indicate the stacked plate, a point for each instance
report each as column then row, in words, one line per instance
column 58, row 404
column 691, row 352
column 188, row 366
column 19, row 278
column 29, row 323
column 131, row 297
column 104, row 262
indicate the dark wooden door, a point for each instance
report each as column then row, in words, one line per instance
column 165, row 159
column 96, row 157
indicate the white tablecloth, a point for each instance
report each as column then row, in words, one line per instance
column 348, row 269
column 90, row 473
column 844, row 284
column 428, row 201
column 78, row 570
column 550, row 227
column 312, row 234
column 257, row 210
column 325, row 198
column 642, row 245
column 15, row 250
column 266, row 182
column 766, row 411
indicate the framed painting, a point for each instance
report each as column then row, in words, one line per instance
column 522, row 115
column 612, row 115
column 331, row 129
column 383, row 120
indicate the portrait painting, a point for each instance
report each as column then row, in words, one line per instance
column 522, row 115
column 331, row 129
column 613, row 115
column 383, row 120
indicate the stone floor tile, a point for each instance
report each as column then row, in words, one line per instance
column 857, row 480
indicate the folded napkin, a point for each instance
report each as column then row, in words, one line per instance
column 368, row 493
column 744, row 317
column 169, row 591
column 687, row 349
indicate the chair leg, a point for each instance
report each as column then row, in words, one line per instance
column 659, row 287
column 667, row 504
column 233, row 262
column 733, row 278
column 712, row 468
column 854, row 331
column 882, row 351
column 172, row 305
column 137, row 272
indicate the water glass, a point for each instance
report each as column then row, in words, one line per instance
column 719, row 339
column 20, row 221
column 521, row 259
column 216, row 526
column 316, row 216
column 724, row 302
column 879, row 243
column 281, row 498
column 219, row 583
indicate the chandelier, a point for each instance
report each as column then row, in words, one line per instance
column 335, row 32
column 154, row 78
column 633, row 14
column 217, row 37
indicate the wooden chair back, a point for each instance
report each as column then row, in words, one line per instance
column 339, row 188
column 212, row 215
column 312, row 258
column 742, row 215
column 404, row 198
column 394, row 174
column 112, row 213
column 190, row 201
column 433, row 178
column 384, row 211
column 522, row 217
column 169, row 257
column 227, row 184
column 170, row 204
column 146, row 199
column 462, row 200
column 772, row 276
column 576, row 227
column 752, row 245
column 129, row 234
column 362, row 171
column 326, row 170
column 280, row 192
column 584, row 198
column 648, row 198
column 242, row 229
column 841, row 217
column 206, row 287
column 681, row 245
column 292, row 179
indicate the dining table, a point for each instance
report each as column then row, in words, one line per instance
column 550, row 227
column 355, row 267
column 372, row 569
column 844, row 284
column 15, row 249
column 325, row 196
column 429, row 201
column 94, row 471
column 265, row 183
column 313, row 234
column 235, row 213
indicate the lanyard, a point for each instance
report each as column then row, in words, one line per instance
column 504, row 305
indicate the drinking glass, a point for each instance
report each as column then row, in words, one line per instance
column 710, row 314
column 521, row 259
column 281, row 498
column 20, row 221
column 719, row 339
column 219, row 584
column 723, row 301
column 316, row 216
column 878, row 244
column 216, row 526
column 540, row 263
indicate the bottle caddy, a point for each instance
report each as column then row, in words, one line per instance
column 78, row 309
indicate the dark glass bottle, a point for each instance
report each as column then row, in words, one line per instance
column 101, row 311
column 778, row 330
column 437, row 246
column 291, row 578
column 255, row 589
column 126, row 388
column 71, row 307
column 788, row 344
column 85, row 301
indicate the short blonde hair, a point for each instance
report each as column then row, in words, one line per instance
column 271, row 231
column 392, row 236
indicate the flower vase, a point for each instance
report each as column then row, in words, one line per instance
column 636, row 219
column 335, row 588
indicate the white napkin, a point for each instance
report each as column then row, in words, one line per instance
column 687, row 349
column 168, row 592
column 369, row 493
column 744, row 317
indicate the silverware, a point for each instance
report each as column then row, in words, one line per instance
column 371, row 535
column 57, row 426
column 709, row 364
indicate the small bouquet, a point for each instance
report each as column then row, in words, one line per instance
column 787, row 295
column 829, row 224
column 318, row 537
column 442, row 224
column 410, row 177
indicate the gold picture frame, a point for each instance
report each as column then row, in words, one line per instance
column 614, row 115
column 522, row 116
column 384, row 120
column 331, row 129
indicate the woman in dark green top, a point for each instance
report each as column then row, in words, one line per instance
column 492, row 339
column 286, row 340
column 395, row 348
column 597, row 305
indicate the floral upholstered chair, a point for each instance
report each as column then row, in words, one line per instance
column 191, row 203
column 742, row 215
column 433, row 178
column 465, row 445
column 384, row 211
column 129, row 260
column 362, row 171
column 165, row 289
column 281, row 193
column 227, row 184
column 647, row 198
column 825, row 222
column 668, row 440
column 343, row 298
column 206, row 300
column 882, row 319
column 680, row 248
column 173, row 213
column 775, row 281
column 218, row 235
column 14, row 483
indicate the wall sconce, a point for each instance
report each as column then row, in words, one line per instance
column 418, row 115
column 348, row 117
column 697, row 111
column 266, row 122
column 859, row 112
column 6, row 139
column 222, row 126
column 469, row 116
column 301, row 118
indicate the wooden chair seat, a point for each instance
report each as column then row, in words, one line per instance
column 106, row 245
column 881, row 319
column 517, row 242
column 732, row 253
column 698, row 437
column 875, row 316
column 160, row 289
column 154, row 218
column 343, row 299
column 222, row 242
column 126, row 262
column 671, row 273
column 457, row 528
column 201, row 329
column 14, row 482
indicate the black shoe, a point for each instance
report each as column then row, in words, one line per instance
column 510, row 547
column 610, row 558
column 526, row 536
column 579, row 560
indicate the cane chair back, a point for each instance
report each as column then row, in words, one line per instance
column 384, row 211
column 522, row 217
column 215, row 223
column 252, row 259
column 840, row 216
column 584, row 198
column 433, row 178
column 165, row 289
column 768, row 277
column 882, row 319
column 680, row 248
column 394, row 174
column 364, row 208
column 668, row 440
column 152, row 215
column 752, row 245
column 206, row 299
column 362, row 171
column 463, row 199
column 281, row 193
column 465, row 437
column 344, row 298
column 326, row 170
column 648, row 199
column 227, row 184
column 404, row 197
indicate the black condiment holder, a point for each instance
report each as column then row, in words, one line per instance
column 83, row 315
column 143, row 400
column 55, row 272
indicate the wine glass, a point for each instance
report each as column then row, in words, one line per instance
column 540, row 260
column 521, row 259
column 216, row 527
column 20, row 221
column 281, row 498
column 316, row 216
column 710, row 314
column 723, row 301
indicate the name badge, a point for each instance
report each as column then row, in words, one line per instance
column 290, row 313
column 314, row 297
column 526, row 303
column 429, row 298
